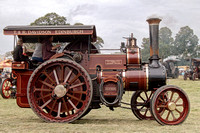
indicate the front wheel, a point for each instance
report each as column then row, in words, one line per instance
column 60, row 90
column 174, row 104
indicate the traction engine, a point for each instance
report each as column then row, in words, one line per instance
column 70, row 84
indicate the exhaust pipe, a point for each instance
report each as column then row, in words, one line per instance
column 154, row 41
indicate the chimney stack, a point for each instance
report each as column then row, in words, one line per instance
column 154, row 41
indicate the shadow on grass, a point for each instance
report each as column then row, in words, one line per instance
column 104, row 121
column 84, row 121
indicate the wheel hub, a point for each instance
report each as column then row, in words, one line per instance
column 171, row 106
column 60, row 91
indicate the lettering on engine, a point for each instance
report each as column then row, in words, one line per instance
column 113, row 62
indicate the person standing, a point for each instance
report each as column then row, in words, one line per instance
column 18, row 52
column 48, row 50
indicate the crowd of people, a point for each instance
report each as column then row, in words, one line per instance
column 44, row 50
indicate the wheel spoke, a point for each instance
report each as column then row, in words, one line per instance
column 162, row 106
column 49, row 77
column 79, row 92
column 171, row 95
column 42, row 90
column 69, row 95
column 177, row 99
column 159, row 99
column 65, row 105
column 44, row 96
column 54, row 103
column 167, row 118
column 162, row 112
column 173, row 116
column 150, row 96
column 179, row 104
column 59, row 109
column 74, row 79
column 164, row 96
column 145, row 114
column 68, row 75
column 56, row 76
column 45, row 104
column 47, row 84
column 142, row 98
column 141, row 108
column 146, row 95
column 72, row 105
column 77, row 85
column 178, row 111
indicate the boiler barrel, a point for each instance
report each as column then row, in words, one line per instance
column 146, row 79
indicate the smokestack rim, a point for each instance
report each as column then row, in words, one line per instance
column 154, row 21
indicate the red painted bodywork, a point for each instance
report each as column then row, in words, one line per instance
column 80, row 38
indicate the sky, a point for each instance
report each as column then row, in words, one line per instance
column 114, row 19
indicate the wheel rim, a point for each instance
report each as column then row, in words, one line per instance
column 140, row 105
column 59, row 90
column 5, row 88
column 170, row 106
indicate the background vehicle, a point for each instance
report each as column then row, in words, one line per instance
column 171, row 68
column 194, row 71
column 71, row 83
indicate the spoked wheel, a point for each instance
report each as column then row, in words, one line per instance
column 60, row 90
column 5, row 88
column 140, row 104
column 170, row 105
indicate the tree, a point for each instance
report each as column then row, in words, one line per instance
column 55, row 19
column 165, row 42
column 50, row 19
column 186, row 43
column 78, row 24
column 99, row 42
column 145, row 51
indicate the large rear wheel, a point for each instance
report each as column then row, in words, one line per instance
column 60, row 90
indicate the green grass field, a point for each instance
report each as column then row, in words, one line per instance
column 16, row 119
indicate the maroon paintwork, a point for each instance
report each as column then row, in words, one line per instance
column 71, row 83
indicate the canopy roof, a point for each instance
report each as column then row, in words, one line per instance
column 66, row 33
column 172, row 60
column 196, row 59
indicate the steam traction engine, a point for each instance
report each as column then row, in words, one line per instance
column 71, row 83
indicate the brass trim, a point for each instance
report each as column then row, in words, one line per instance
column 127, row 56
column 124, row 78
column 138, row 55
column 147, row 77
